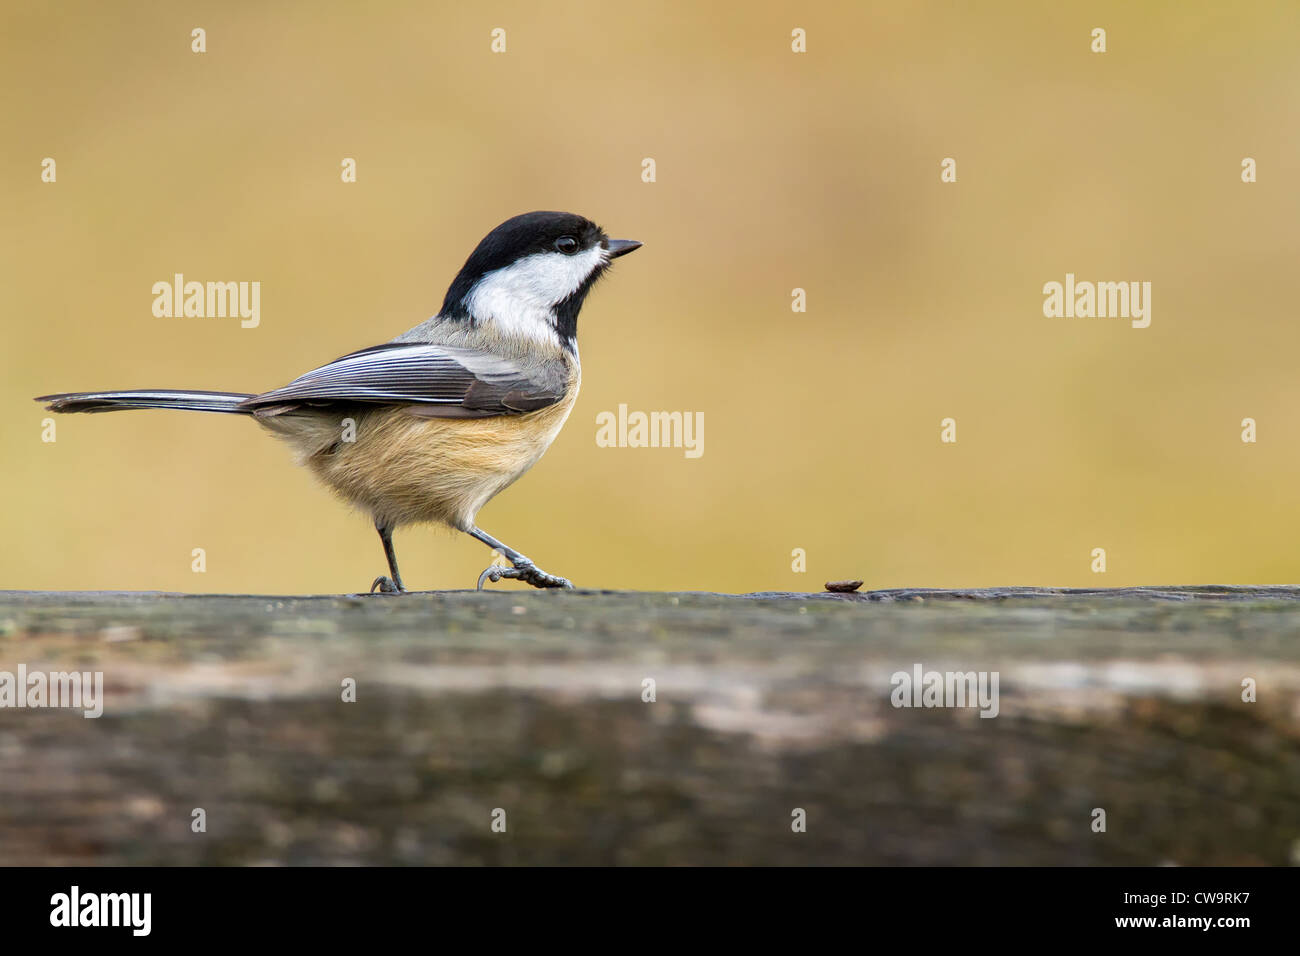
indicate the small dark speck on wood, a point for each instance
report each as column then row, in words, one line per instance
column 843, row 587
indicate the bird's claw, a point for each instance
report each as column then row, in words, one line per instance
column 386, row 585
column 528, row 573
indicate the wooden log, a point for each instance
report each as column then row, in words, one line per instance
column 532, row 703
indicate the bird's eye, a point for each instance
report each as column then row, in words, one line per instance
column 566, row 244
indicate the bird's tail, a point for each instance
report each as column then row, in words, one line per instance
column 189, row 401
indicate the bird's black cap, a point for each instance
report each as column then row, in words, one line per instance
column 525, row 235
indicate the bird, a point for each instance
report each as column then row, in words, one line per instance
column 431, row 425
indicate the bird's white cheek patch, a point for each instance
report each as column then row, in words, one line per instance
column 521, row 298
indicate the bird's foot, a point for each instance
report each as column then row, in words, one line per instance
column 524, row 571
column 387, row 585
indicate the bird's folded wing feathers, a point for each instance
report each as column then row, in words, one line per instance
column 436, row 380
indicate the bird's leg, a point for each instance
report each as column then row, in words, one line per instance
column 387, row 585
column 523, row 570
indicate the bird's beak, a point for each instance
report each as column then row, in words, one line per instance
column 621, row 247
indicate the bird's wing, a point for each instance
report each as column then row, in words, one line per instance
column 434, row 380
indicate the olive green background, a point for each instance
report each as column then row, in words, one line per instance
column 775, row 170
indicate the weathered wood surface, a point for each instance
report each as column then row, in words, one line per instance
column 1128, row 700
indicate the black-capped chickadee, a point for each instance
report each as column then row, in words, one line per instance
column 432, row 425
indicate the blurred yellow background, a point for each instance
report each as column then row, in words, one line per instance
column 775, row 170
